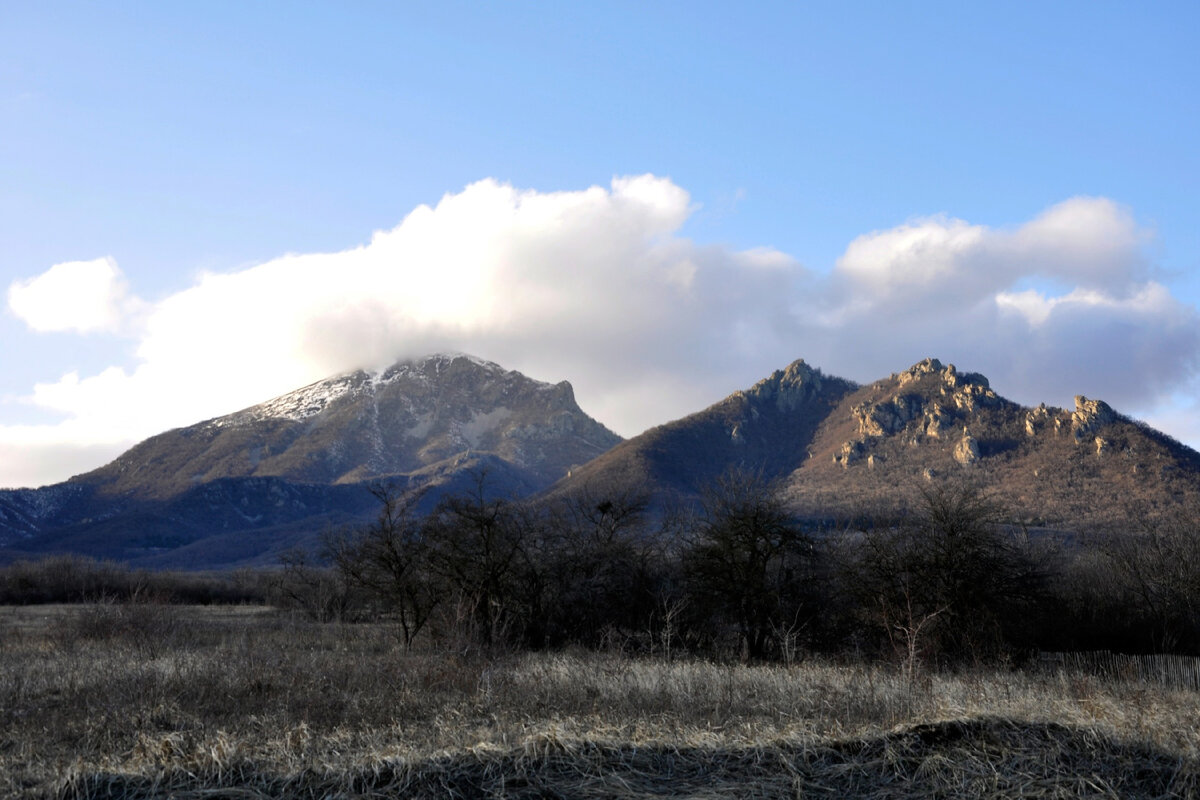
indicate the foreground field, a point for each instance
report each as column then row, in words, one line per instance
column 132, row 701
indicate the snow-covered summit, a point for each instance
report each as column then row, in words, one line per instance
column 364, row 425
column 311, row 400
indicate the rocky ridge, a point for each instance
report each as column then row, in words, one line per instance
column 844, row 450
column 1051, row 465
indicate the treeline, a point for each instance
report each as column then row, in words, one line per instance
column 951, row 580
column 79, row 579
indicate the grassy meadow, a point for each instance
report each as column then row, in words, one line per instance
column 139, row 700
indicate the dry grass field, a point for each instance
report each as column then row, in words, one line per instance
column 144, row 700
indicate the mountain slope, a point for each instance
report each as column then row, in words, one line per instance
column 301, row 462
column 767, row 427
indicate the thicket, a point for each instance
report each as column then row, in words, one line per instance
column 79, row 579
column 952, row 580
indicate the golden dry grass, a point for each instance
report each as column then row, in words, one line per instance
column 153, row 701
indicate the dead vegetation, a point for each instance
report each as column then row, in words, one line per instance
column 138, row 700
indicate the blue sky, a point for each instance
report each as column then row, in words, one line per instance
column 975, row 152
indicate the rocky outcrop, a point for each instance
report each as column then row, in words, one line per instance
column 966, row 452
column 930, row 400
column 1090, row 416
column 968, row 397
column 955, row 394
column 938, row 422
column 788, row 388
column 926, row 366
column 851, row 451
column 1036, row 419
column 889, row 417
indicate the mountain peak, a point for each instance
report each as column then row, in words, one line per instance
column 311, row 400
column 441, row 360
column 409, row 417
column 788, row 388
column 948, row 374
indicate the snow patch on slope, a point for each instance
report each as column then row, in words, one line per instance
column 311, row 400
column 479, row 425
column 307, row 402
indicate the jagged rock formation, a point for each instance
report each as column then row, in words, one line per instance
column 966, row 452
column 1036, row 419
column 1078, row 468
column 1089, row 416
column 851, row 450
column 303, row 459
column 914, row 410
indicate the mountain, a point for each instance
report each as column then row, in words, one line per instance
column 841, row 450
column 1084, row 468
column 303, row 461
column 240, row 488
column 767, row 427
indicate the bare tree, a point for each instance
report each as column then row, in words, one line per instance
column 1159, row 565
column 749, row 561
column 320, row 592
column 603, row 563
column 389, row 559
column 954, row 571
column 478, row 552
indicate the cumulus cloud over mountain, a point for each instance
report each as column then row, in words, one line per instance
column 600, row 287
column 1065, row 303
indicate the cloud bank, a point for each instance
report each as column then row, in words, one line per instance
column 598, row 286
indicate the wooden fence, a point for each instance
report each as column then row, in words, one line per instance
column 1176, row 672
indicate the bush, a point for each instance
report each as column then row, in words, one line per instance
column 955, row 580
column 749, row 565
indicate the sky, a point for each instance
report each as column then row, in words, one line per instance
column 204, row 205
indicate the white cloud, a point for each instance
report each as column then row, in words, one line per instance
column 39, row 462
column 944, row 287
column 75, row 296
column 597, row 286
column 1089, row 241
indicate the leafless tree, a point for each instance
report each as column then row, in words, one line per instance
column 749, row 561
column 389, row 560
